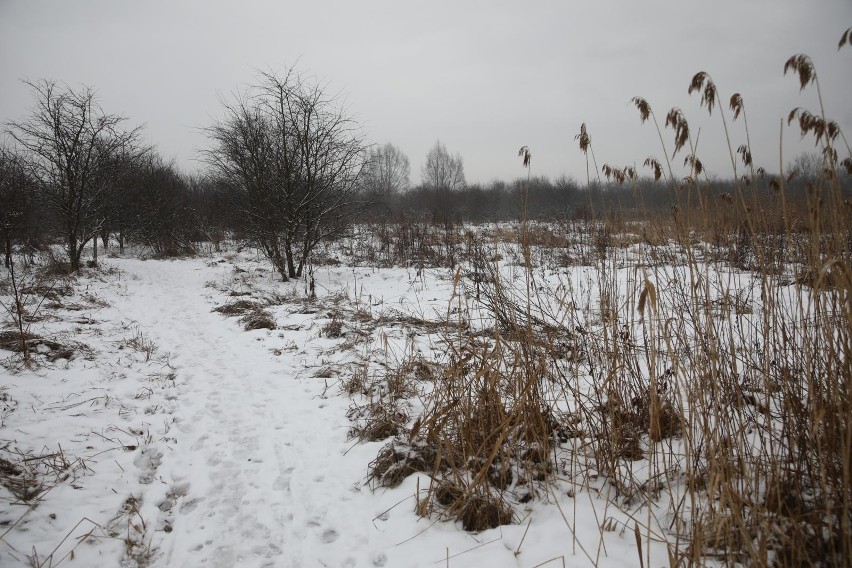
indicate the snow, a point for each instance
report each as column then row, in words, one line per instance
column 188, row 441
